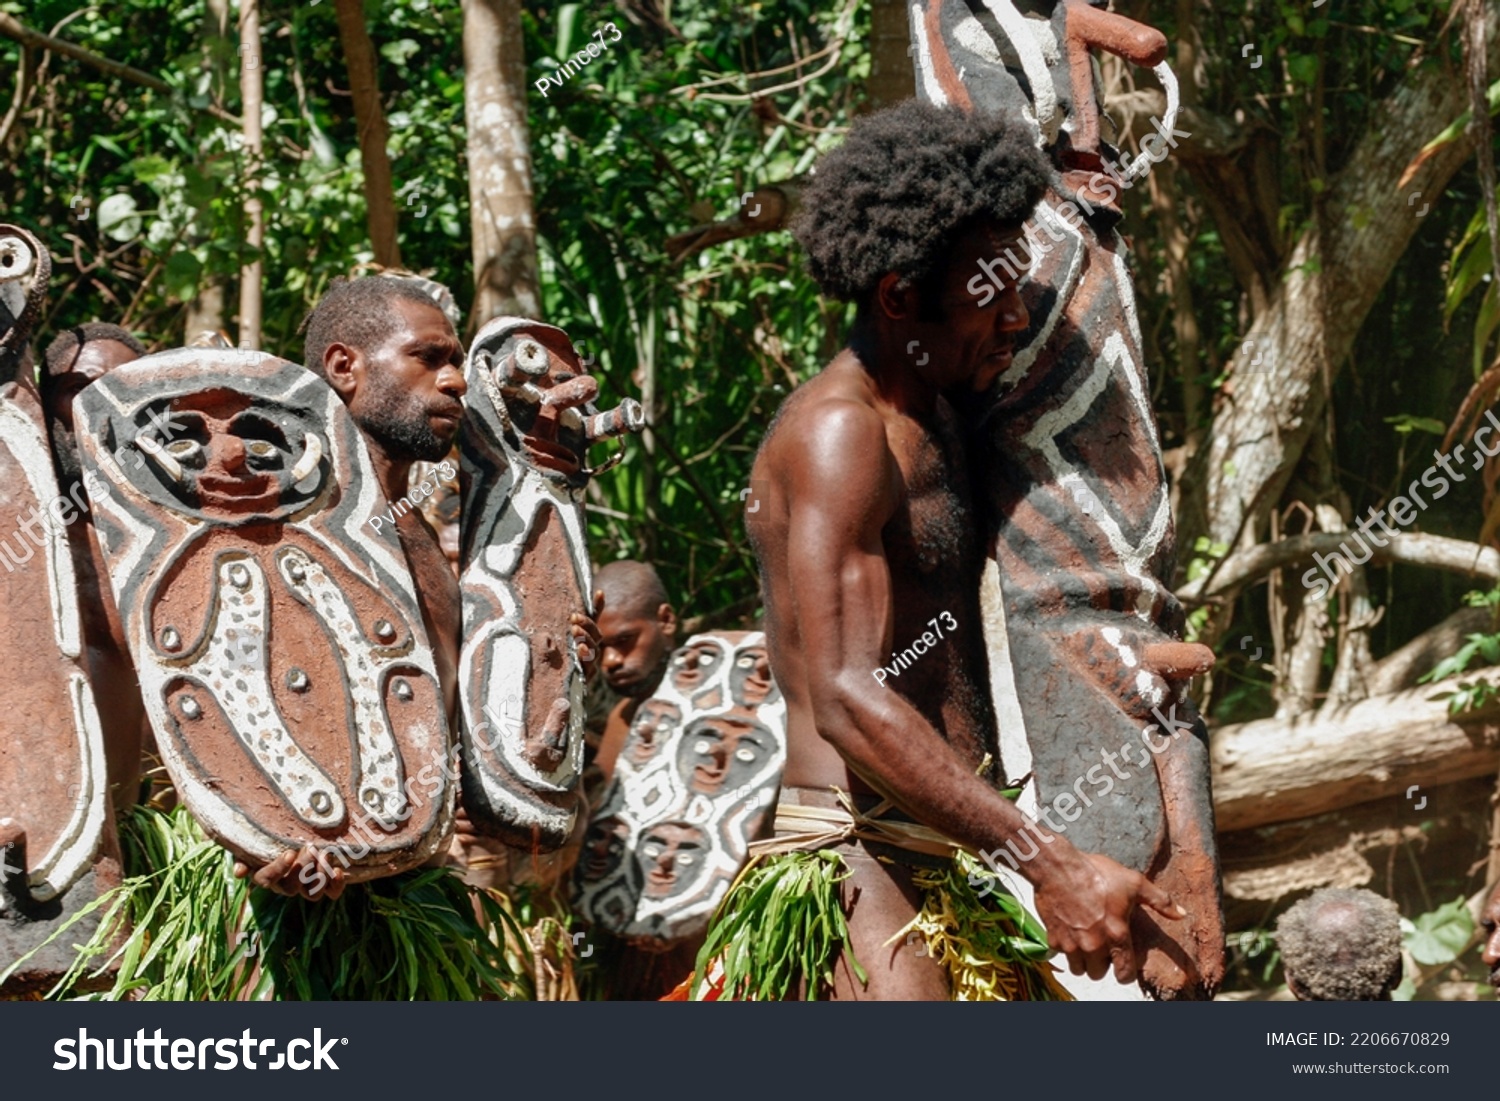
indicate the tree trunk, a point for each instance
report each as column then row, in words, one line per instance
column 252, row 72
column 369, row 117
column 499, row 151
column 1330, row 281
column 1275, row 771
column 892, row 75
column 205, row 313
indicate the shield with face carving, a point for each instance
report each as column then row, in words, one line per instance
column 525, row 572
column 281, row 650
column 693, row 783
column 57, row 841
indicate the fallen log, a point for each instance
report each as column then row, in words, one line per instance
column 1356, row 847
column 1277, row 770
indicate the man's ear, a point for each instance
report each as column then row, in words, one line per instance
column 668, row 620
column 344, row 368
column 895, row 301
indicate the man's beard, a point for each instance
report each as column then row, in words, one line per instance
column 398, row 421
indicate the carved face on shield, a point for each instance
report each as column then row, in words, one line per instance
column 692, row 788
column 544, row 387
column 720, row 753
column 655, row 721
column 671, row 857
column 231, row 458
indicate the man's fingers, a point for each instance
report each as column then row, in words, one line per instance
column 1124, row 964
column 1153, row 896
column 1097, row 965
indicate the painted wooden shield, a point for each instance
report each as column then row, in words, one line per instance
column 692, row 786
column 524, row 571
column 1086, row 665
column 281, row 650
column 57, row 844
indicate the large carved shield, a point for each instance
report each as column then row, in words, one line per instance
column 1086, row 667
column 57, row 843
column 692, row 786
column 525, row 571
column 281, row 650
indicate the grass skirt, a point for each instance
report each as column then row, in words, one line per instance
column 781, row 930
column 182, row 927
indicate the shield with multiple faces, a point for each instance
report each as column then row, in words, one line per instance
column 281, row 649
column 694, row 782
column 57, row 843
column 525, row 572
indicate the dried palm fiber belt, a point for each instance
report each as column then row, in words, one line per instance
column 198, row 933
column 781, row 930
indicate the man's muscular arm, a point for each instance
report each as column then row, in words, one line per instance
column 842, row 485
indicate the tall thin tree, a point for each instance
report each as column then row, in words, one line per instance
column 252, row 72
column 503, row 220
column 369, row 117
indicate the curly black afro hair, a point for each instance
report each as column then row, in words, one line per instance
column 1341, row 945
column 905, row 182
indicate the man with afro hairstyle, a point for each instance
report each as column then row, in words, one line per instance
column 1340, row 945
column 868, row 545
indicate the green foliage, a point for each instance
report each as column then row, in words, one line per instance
column 1482, row 648
column 1439, row 937
column 623, row 158
column 140, row 196
column 781, row 930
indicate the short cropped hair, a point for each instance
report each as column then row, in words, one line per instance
column 67, row 344
column 904, row 184
column 1341, row 945
column 357, row 312
column 631, row 588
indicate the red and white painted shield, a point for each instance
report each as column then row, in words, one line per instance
column 281, row 649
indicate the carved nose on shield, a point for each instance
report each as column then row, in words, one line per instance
column 1176, row 661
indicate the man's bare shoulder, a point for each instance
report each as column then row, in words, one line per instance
column 827, row 460
column 832, row 415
